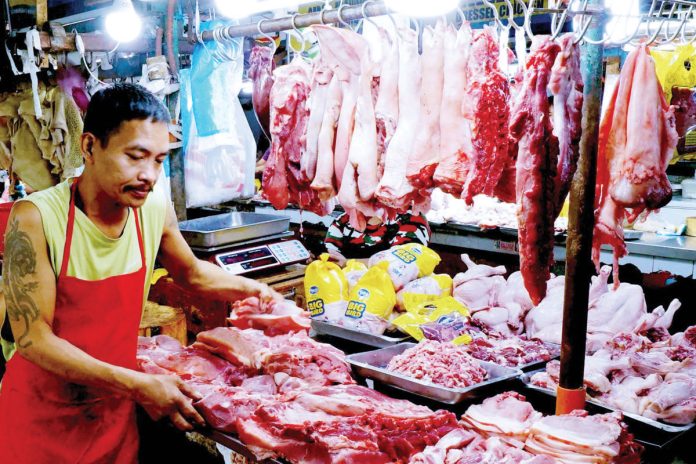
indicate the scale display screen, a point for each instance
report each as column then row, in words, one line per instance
column 259, row 263
column 249, row 255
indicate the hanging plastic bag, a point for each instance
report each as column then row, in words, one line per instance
column 326, row 289
column 219, row 147
column 371, row 302
column 423, row 290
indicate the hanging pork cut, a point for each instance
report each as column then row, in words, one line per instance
column 324, row 181
column 283, row 182
column 289, row 115
column 395, row 190
column 636, row 141
column 566, row 86
column 455, row 132
column 261, row 68
column 486, row 104
column 426, row 150
column 317, row 106
column 387, row 106
column 531, row 128
column 342, row 51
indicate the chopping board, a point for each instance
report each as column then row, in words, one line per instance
column 163, row 320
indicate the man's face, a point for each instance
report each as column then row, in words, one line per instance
column 129, row 165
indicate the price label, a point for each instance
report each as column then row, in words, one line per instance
column 506, row 246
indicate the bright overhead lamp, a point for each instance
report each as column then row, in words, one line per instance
column 237, row 9
column 123, row 24
column 421, row 8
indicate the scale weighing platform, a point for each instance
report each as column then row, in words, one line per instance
column 242, row 243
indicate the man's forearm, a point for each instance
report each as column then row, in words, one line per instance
column 216, row 283
column 64, row 359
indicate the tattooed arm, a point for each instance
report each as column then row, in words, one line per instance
column 30, row 292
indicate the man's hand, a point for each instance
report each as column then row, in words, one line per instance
column 167, row 395
column 261, row 290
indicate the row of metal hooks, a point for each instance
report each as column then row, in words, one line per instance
column 667, row 21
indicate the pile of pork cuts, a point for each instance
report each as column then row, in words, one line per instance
column 507, row 429
column 289, row 396
column 376, row 125
column 652, row 374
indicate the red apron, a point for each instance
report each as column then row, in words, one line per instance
column 43, row 418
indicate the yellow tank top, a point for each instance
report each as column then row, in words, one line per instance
column 95, row 256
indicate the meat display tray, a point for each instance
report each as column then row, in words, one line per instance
column 375, row 341
column 372, row 364
column 227, row 228
column 630, row 418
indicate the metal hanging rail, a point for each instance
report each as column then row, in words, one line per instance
column 343, row 14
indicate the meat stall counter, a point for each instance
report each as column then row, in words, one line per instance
column 258, row 246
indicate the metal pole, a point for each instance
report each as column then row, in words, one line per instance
column 348, row 13
column 579, row 268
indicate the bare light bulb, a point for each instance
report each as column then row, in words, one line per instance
column 123, row 24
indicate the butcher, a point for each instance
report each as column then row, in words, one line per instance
column 343, row 242
column 78, row 261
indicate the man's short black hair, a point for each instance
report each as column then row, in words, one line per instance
column 119, row 103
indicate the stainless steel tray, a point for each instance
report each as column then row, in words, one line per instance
column 375, row 341
column 372, row 364
column 462, row 226
column 227, row 228
column 525, row 378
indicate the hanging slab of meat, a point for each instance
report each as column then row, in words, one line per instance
column 395, row 190
column 345, row 423
column 425, row 155
column 324, row 181
column 566, row 85
column 455, row 132
column 387, row 106
column 318, row 101
column 261, row 68
column 360, row 177
column 636, row 141
column 486, row 105
column 343, row 52
column 289, row 114
column 273, row 318
column 531, row 127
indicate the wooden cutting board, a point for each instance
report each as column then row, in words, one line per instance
column 163, row 320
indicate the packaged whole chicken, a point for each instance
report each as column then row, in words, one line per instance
column 425, row 289
column 407, row 262
column 371, row 302
column 353, row 271
column 326, row 289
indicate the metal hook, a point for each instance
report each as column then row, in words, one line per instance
column 364, row 14
column 340, row 16
column 496, row 16
column 528, row 19
column 556, row 28
column 511, row 16
column 460, row 13
column 274, row 47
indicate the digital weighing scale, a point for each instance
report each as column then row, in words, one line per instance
column 242, row 243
